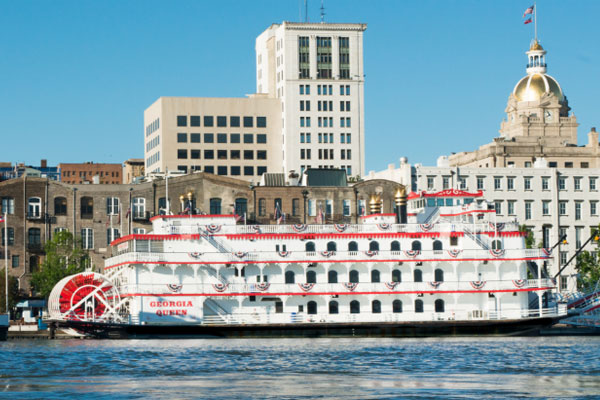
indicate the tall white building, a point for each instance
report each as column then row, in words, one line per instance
column 316, row 70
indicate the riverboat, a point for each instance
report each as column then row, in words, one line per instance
column 442, row 265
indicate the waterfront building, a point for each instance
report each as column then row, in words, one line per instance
column 538, row 124
column 307, row 112
column 90, row 172
column 133, row 169
column 8, row 171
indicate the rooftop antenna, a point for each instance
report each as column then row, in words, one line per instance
column 322, row 12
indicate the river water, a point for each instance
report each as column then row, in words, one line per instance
column 454, row 368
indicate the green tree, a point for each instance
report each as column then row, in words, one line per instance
column 529, row 239
column 64, row 257
column 13, row 291
column 588, row 264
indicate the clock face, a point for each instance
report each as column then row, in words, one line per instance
column 548, row 115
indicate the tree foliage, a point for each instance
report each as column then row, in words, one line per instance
column 529, row 239
column 588, row 265
column 13, row 291
column 64, row 257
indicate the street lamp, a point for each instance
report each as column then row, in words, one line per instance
column 305, row 196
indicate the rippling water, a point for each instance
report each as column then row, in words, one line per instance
column 565, row 367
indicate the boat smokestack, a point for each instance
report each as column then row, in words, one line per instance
column 375, row 204
column 400, row 199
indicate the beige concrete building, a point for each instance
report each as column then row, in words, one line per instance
column 538, row 125
column 237, row 137
column 132, row 168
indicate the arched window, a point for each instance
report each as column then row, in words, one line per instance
column 215, row 206
column 34, row 238
column 311, row 307
column 333, row 307
column 437, row 245
column 354, row 276
column 397, row 306
column 290, row 277
column 241, row 207
column 439, row 305
column 415, row 245
column 352, row 246
column 354, row 307
column 60, row 206
column 396, row 275
column 439, row 275
column 332, row 277
column 496, row 245
column 375, row 276
column 87, row 207
column 331, row 246
column 418, row 306
column 309, row 246
column 262, row 207
column 34, row 207
column 376, row 307
column 374, row 245
column 395, row 246
column 418, row 275
column 311, row 277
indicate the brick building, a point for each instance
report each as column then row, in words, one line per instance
column 89, row 172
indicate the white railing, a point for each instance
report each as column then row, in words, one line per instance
column 345, row 228
column 318, row 257
column 245, row 289
column 367, row 316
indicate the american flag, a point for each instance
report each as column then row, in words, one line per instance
column 528, row 11
column 278, row 214
column 320, row 216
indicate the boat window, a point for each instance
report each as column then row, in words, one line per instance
column 415, row 245
column 440, row 202
column 430, row 202
column 376, row 307
column 395, row 246
column 311, row 307
column 397, row 306
column 352, row 246
column 331, row 246
column 332, row 277
column 354, row 307
column 439, row 305
column 418, row 275
column 375, row 276
column 290, row 277
column 437, row 245
column 333, row 307
column 448, row 202
column 418, row 306
column 311, row 277
column 396, row 275
column 496, row 245
column 439, row 275
column 374, row 246
column 354, row 276
column 310, row 246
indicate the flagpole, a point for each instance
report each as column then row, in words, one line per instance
column 535, row 19
column 6, row 263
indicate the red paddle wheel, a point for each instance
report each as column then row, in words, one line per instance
column 87, row 296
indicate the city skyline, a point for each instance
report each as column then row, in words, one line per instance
column 79, row 76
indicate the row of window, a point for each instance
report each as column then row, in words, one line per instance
column 261, row 138
column 333, row 307
column 152, row 143
column 345, row 138
column 152, row 127
column 224, row 170
column 222, row 121
column 182, row 154
column 546, row 211
column 511, row 183
column 154, row 158
column 348, row 168
column 326, row 154
column 353, row 276
column 345, row 122
column 324, row 90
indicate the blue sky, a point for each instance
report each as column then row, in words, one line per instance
column 77, row 75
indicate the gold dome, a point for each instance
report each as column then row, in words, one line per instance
column 532, row 87
column 536, row 46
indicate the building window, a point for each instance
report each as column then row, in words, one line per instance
column 593, row 207
column 195, row 154
column 195, row 138
column 578, row 211
column 562, row 208
column 445, row 182
column 261, row 138
column 510, row 183
column 112, row 234
column 562, row 183
column 209, row 155
column 221, row 138
column 577, row 183
column 248, row 154
column 182, row 154
column 221, row 154
column 15, row 261
column 511, row 207
column 261, row 170
column 10, row 237
column 87, row 207
column 112, row 205
column 34, row 207
column 235, row 171
column 139, row 208
column 209, row 121
column 498, row 206
column 87, row 238
column 34, row 237
column 527, row 183
column 195, row 120
column 346, row 207
column 248, row 170
column 60, row 206
column 497, row 183
column 262, row 207
column 209, row 138
column 248, row 122
column 545, row 207
column 545, row 183
column 261, row 154
column 182, row 138
column 215, row 206
column 221, row 170
column 295, row 207
column 221, row 121
column 248, row 138
column 234, row 122
column 593, row 183
column 182, row 120
column 8, row 205
column 528, row 210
